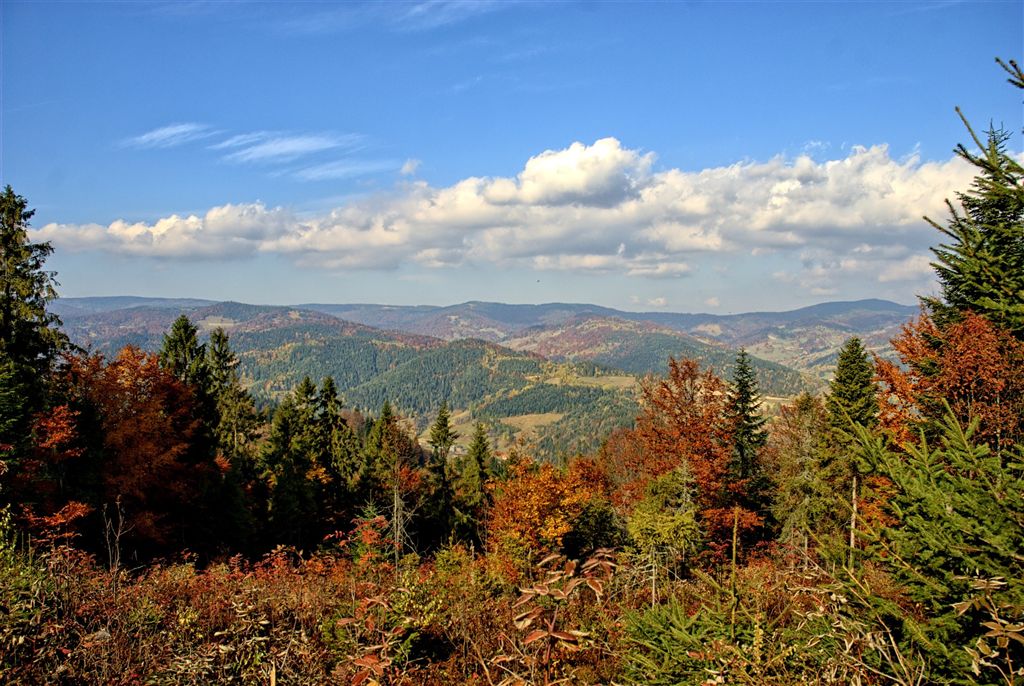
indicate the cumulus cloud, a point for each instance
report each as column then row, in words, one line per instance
column 227, row 231
column 169, row 136
column 712, row 302
column 598, row 208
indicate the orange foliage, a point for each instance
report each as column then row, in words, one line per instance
column 57, row 527
column 972, row 364
column 684, row 422
column 148, row 428
column 40, row 482
column 537, row 506
column 56, row 433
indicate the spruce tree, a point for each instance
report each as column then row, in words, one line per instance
column 803, row 497
column 749, row 435
column 442, row 436
column 438, row 516
column 954, row 554
column 236, row 415
column 852, row 402
column 853, row 395
column 981, row 268
column 338, row 450
column 472, row 471
column 184, row 356
column 221, row 362
column 30, row 338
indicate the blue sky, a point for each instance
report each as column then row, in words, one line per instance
column 693, row 156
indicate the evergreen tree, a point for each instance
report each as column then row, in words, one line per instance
column 749, row 435
column 953, row 553
column 221, row 362
column 442, row 436
column 472, row 471
column 29, row 335
column 853, row 396
column 981, row 269
column 291, row 497
column 184, row 356
column 236, row 415
column 803, row 498
column 338, row 450
column 30, row 339
column 438, row 517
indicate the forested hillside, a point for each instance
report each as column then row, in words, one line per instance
column 279, row 346
column 807, row 339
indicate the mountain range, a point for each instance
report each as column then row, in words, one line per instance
column 539, row 372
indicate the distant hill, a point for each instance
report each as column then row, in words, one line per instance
column 640, row 347
column 488, row 321
column 807, row 339
column 520, row 393
column 543, row 372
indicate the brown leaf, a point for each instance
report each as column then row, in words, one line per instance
column 534, row 635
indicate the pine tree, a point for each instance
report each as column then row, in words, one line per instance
column 472, row 471
column 749, row 435
column 853, row 395
column 184, row 356
column 442, row 436
column 30, row 338
column 981, row 269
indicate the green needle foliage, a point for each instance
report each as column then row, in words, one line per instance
column 749, row 434
column 981, row 268
column 954, row 554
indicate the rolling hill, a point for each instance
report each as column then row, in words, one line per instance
column 806, row 339
column 537, row 371
column 278, row 346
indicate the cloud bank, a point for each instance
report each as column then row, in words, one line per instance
column 587, row 208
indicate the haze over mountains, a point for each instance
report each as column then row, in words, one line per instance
column 538, row 371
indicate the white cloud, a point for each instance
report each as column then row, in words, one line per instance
column 285, row 148
column 225, row 231
column 912, row 268
column 409, row 167
column 432, row 14
column 242, row 139
column 590, row 208
column 343, row 169
column 660, row 301
column 713, row 301
column 169, row 136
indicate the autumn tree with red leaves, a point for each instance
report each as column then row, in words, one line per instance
column 971, row 364
column 536, row 508
column 148, row 459
column 686, row 423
